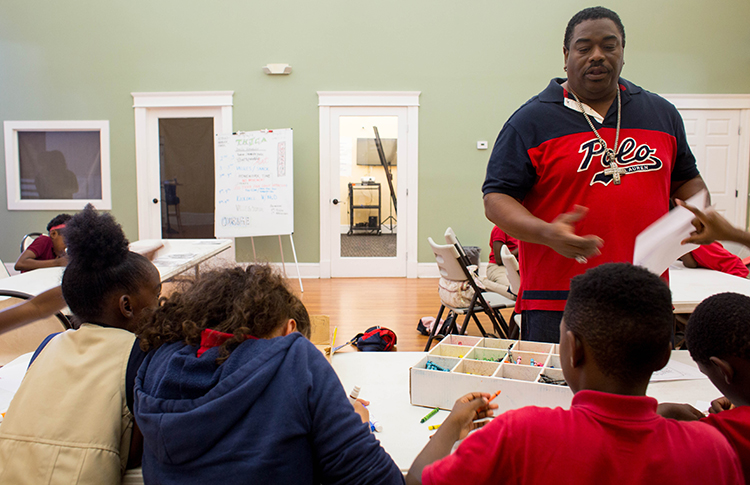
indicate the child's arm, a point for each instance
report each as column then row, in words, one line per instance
column 680, row 412
column 710, row 226
column 27, row 261
column 345, row 450
column 41, row 306
column 497, row 246
column 456, row 426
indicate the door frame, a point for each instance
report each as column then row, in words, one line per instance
column 145, row 105
column 354, row 99
column 737, row 102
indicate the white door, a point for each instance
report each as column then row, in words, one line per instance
column 368, row 192
column 182, row 112
column 713, row 136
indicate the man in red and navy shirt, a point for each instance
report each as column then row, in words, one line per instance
column 552, row 184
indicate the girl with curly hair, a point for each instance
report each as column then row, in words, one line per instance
column 232, row 391
column 71, row 419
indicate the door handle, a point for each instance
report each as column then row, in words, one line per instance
column 335, row 201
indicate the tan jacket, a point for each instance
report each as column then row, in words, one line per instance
column 69, row 422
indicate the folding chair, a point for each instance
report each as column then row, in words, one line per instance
column 28, row 239
column 511, row 269
column 452, row 262
column 26, row 338
column 514, row 281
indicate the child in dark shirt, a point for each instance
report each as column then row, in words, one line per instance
column 231, row 390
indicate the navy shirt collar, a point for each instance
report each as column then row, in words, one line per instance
column 553, row 93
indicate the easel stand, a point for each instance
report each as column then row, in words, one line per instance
column 283, row 263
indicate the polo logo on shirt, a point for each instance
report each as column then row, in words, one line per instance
column 630, row 156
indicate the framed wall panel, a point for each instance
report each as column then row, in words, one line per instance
column 57, row 165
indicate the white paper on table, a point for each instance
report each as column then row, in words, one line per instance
column 658, row 245
column 11, row 375
column 703, row 406
column 677, row 371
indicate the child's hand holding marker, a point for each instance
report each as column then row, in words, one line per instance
column 465, row 414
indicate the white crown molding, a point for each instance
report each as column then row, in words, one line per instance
column 709, row 101
column 368, row 98
column 173, row 99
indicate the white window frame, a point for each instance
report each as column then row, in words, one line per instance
column 12, row 164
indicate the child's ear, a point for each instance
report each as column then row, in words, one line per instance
column 290, row 327
column 726, row 369
column 126, row 308
column 575, row 349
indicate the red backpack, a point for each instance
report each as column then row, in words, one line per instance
column 375, row 339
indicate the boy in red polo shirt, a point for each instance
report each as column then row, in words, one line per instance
column 614, row 334
column 718, row 336
column 46, row 251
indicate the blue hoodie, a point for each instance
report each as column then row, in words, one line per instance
column 274, row 412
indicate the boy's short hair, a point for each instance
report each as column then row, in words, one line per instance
column 59, row 219
column 624, row 314
column 720, row 327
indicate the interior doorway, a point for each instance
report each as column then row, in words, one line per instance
column 175, row 135
column 368, row 185
column 186, row 173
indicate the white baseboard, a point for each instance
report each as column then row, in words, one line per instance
column 312, row 270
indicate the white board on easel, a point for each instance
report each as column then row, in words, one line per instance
column 254, row 184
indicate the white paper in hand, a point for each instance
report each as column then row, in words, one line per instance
column 658, row 245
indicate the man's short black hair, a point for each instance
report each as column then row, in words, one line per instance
column 624, row 314
column 720, row 327
column 59, row 219
column 592, row 13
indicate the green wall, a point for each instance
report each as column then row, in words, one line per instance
column 474, row 62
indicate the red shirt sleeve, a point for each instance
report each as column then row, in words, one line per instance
column 714, row 256
column 479, row 459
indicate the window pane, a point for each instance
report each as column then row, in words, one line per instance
column 60, row 164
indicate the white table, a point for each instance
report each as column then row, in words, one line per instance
column 179, row 255
column 690, row 286
column 175, row 257
column 384, row 381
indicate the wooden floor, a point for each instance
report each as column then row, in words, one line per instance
column 355, row 304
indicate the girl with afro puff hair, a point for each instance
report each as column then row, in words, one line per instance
column 71, row 419
column 232, row 391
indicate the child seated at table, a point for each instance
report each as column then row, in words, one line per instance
column 714, row 256
column 70, row 421
column 232, row 391
column 46, row 251
column 614, row 334
column 718, row 337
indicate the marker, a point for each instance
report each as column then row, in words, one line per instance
column 434, row 426
column 375, row 424
column 429, row 415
